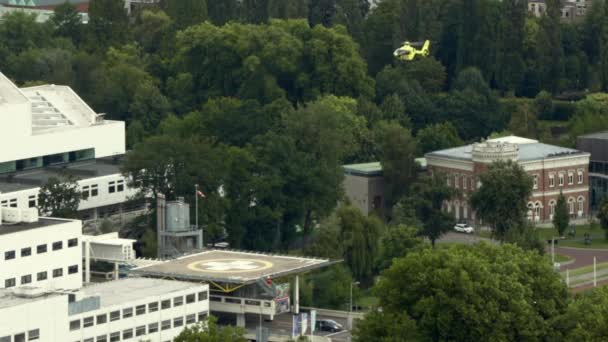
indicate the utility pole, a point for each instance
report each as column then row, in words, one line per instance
column 553, row 251
column 594, row 273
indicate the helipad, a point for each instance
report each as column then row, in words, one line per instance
column 231, row 266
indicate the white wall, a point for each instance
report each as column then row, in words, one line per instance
column 67, row 256
column 49, row 315
column 141, row 320
column 108, row 140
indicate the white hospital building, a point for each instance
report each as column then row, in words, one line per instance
column 42, row 297
column 48, row 131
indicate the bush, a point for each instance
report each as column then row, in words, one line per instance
column 563, row 111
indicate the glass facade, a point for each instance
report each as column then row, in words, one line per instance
column 49, row 160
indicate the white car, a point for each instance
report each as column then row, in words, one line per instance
column 464, row 228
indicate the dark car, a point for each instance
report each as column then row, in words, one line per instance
column 328, row 325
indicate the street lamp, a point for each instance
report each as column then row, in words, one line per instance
column 350, row 309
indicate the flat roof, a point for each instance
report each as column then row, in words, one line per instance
column 10, row 228
column 9, row 297
column 597, row 135
column 231, row 266
column 527, row 152
column 373, row 168
column 133, row 289
column 83, row 170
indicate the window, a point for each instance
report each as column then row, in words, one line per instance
column 75, row 325
column 26, row 252
column 535, row 182
column 10, row 282
column 178, row 301
column 202, row 316
column 94, row 190
column 73, row 242
column 33, row 334
column 152, row 307
column 191, row 319
column 165, row 304
column 571, row 206
column 91, row 339
column 5, row 339
column 58, row 272
column 4, row 204
column 581, row 206
column 551, row 181
column 140, row 310
column 73, row 269
column 202, row 295
column 152, row 328
column 20, row 337
column 126, row 313
column 464, row 182
column 178, row 322
column 114, row 315
column 102, row 338
column 580, row 177
column 191, row 298
column 85, row 192
column 456, row 181
column 115, row 336
column 40, row 249
column 13, row 203
column 561, row 179
column 9, row 255
column 127, row 334
column 139, row 331
column 26, row 279
column 165, row 325
column 112, row 187
column 102, row 319
column 57, row 245
column 88, row 322
column 570, row 178
column 31, row 201
column 120, row 186
column 448, row 180
column 41, row 276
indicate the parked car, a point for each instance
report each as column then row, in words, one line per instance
column 328, row 325
column 463, row 228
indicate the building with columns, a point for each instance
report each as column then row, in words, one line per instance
column 554, row 169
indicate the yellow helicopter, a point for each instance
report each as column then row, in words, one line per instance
column 410, row 50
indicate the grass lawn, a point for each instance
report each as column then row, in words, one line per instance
column 559, row 257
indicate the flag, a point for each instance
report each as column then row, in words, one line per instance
column 200, row 193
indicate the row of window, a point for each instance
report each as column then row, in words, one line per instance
column 40, row 249
column 32, row 202
column 139, row 310
column 150, row 328
column 467, row 182
column 32, row 335
column 40, row 276
column 561, row 179
column 93, row 190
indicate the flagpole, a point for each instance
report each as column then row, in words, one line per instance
column 196, row 205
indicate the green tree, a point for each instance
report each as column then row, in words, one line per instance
column 361, row 237
column 427, row 196
column 510, row 64
column 210, row 331
column 67, row 22
column 108, row 24
column 331, row 288
column 561, row 218
column 501, row 202
column 585, row 316
column 602, row 215
column 153, row 32
column 480, row 292
column 255, row 11
column 149, row 106
column 437, row 137
column 59, row 197
column 321, row 12
column 544, row 105
column 19, row 32
column 186, row 13
column 397, row 150
column 551, row 59
column 603, row 43
column 396, row 242
column 222, row 11
column 590, row 115
column 387, row 327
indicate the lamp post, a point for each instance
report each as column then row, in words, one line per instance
column 350, row 309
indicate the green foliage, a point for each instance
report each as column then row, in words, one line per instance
column 108, row 24
column 396, row 242
column 331, row 288
column 387, row 327
column 186, row 13
column 501, row 202
column 437, row 137
column 591, row 115
column 544, row 105
column 397, row 150
column 561, row 218
column 585, row 316
column 480, row 292
column 210, row 331
column 602, row 215
column 59, row 197
column 66, row 22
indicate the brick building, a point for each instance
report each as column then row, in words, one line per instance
column 553, row 169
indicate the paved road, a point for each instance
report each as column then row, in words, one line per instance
column 456, row 237
column 583, row 257
column 282, row 325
